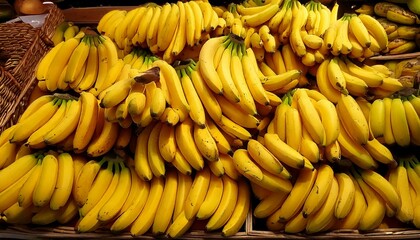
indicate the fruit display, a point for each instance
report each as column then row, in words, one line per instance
column 168, row 118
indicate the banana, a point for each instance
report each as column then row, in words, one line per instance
column 61, row 60
column 406, row 212
column 99, row 186
column 388, row 133
column 294, row 129
column 354, row 151
column 70, row 32
column 233, row 129
column 310, row 117
column 292, row 205
column 360, row 31
column 26, row 191
column 141, row 162
column 229, row 166
column 336, row 76
column 212, row 199
column 84, row 181
column 240, row 212
column 323, row 217
column 145, row 219
column 181, row 164
column 413, row 121
column 166, row 208
column 113, row 205
column 259, row 18
column 329, row 119
column 140, row 190
column 268, row 205
column 260, row 154
column 319, row 192
column 16, row 170
column 380, row 152
column 36, row 140
column 399, row 125
column 295, row 39
column 346, row 195
column 377, row 118
column 205, row 143
column 33, row 122
column 167, row 142
column 309, row 149
column 89, row 221
column 245, row 165
column 44, row 189
column 185, row 142
column 116, row 93
column 375, row 210
column 77, row 60
column 44, row 64
column 222, row 143
column 177, row 95
column 45, row 216
column 283, row 152
column 375, row 29
column 65, row 179
column 371, row 78
column 203, row 90
column 197, row 193
column 353, row 119
column 252, row 80
column 382, row 187
column 197, row 113
column 226, row 206
column 67, row 125
column 351, row 221
column 235, row 113
column 179, row 226
column 88, row 117
column 104, row 141
column 155, row 159
column 324, row 83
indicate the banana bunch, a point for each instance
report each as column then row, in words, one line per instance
column 36, row 188
column 337, row 76
column 64, row 31
column 263, row 166
column 312, row 125
column 395, row 120
column 412, row 170
column 359, row 36
column 101, row 190
column 80, row 63
column 396, row 13
column 307, row 29
column 405, row 70
column 254, row 15
column 355, row 141
column 67, row 123
column 165, row 29
column 403, row 39
column 323, row 200
column 404, row 179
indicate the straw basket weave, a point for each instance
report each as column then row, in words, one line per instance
column 21, row 48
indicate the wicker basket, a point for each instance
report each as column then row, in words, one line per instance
column 54, row 18
column 21, row 48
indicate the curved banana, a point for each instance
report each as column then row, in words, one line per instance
column 212, row 199
column 65, row 179
column 321, row 219
column 297, row 196
column 346, row 195
column 104, row 141
column 399, row 124
column 240, row 212
column 197, row 193
column 44, row 189
column 319, row 192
